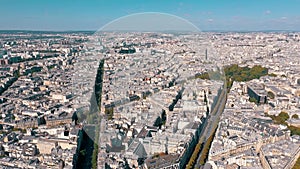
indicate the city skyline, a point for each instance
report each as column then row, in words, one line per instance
column 150, row 84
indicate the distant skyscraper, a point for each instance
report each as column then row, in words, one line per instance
column 205, row 54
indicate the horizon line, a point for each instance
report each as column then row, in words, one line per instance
column 213, row 30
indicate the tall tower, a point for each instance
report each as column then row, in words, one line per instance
column 205, row 54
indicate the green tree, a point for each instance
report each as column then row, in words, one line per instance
column 109, row 113
column 236, row 73
column 294, row 130
column 284, row 116
column 271, row 95
column 273, row 75
column 297, row 164
column 252, row 99
column 83, row 152
column 295, row 116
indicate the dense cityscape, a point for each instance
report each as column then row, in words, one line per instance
column 149, row 100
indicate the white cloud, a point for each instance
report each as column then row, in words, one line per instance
column 210, row 20
column 268, row 12
column 283, row 18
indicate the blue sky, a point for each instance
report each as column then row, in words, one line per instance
column 93, row 14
